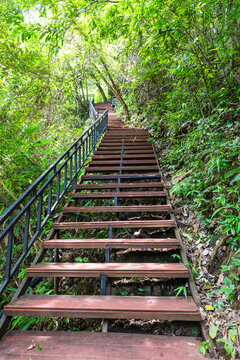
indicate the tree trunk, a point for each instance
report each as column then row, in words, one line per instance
column 104, row 98
column 113, row 87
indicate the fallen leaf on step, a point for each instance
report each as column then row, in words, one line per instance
column 32, row 346
column 220, row 279
column 207, row 287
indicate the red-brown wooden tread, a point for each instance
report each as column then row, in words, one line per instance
column 118, row 168
column 175, row 270
column 113, row 243
column 136, row 185
column 127, row 131
column 102, row 209
column 121, row 194
column 97, row 346
column 111, row 307
column 126, row 144
column 121, row 176
column 106, row 151
column 124, row 162
column 131, row 156
column 115, row 224
column 113, row 148
column 109, row 137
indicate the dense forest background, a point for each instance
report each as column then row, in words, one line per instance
column 174, row 67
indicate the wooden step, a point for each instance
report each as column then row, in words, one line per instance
column 168, row 243
column 127, row 131
column 121, row 194
column 124, row 162
column 126, row 147
column 96, row 345
column 125, row 141
column 136, row 185
column 133, row 156
column 122, row 177
column 116, row 270
column 114, row 209
column 115, row 143
column 118, row 168
column 112, row 139
column 109, row 307
column 115, row 224
column 125, row 152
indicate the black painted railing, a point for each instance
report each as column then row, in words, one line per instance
column 23, row 222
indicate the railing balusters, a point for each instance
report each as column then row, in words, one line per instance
column 9, row 255
column 75, row 160
column 78, row 153
column 65, row 176
column 50, row 197
column 71, row 168
column 39, row 214
column 26, row 231
column 79, row 156
column 58, row 184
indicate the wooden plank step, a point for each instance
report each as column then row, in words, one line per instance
column 122, row 177
column 129, row 145
column 136, row 156
column 109, row 307
column 113, row 243
column 137, row 185
column 115, row 224
column 114, row 209
column 118, row 168
column 107, row 135
column 127, row 194
column 125, row 136
column 124, row 162
column 125, row 152
column 126, row 147
column 127, row 140
column 125, row 143
column 96, row 345
column 175, row 270
column 127, row 131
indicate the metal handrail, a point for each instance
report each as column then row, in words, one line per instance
column 70, row 163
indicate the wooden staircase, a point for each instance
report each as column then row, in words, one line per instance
column 123, row 170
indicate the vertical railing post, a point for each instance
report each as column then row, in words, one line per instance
column 58, row 184
column 75, row 167
column 39, row 214
column 26, row 231
column 9, row 255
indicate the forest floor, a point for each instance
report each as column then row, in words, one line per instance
column 221, row 317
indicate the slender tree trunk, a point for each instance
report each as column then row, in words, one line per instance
column 83, row 96
column 104, row 98
column 113, row 87
column 86, row 85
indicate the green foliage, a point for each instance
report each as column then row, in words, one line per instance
column 205, row 345
column 181, row 289
column 213, row 329
column 82, row 260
